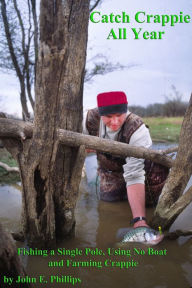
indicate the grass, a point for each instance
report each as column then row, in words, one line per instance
column 164, row 129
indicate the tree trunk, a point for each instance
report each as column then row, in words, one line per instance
column 51, row 172
column 10, row 263
column 172, row 201
column 23, row 99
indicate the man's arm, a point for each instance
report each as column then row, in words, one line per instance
column 134, row 176
column 136, row 198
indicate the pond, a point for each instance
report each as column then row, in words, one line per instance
column 97, row 225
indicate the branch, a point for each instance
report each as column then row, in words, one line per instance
column 18, row 129
column 181, row 204
column 9, row 39
column 21, row 130
column 20, row 71
column 169, row 150
column 36, row 32
column 21, row 26
column 8, row 168
column 165, row 216
column 27, row 59
column 104, row 67
column 113, row 147
column 95, row 5
column 177, row 233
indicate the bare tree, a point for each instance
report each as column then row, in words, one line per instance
column 51, row 172
column 174, row 106
column 19, row 48
column 94, row 4
column 19, row 45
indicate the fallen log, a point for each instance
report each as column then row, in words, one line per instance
column 17, row 129
column 113, row 147
column 11, row 128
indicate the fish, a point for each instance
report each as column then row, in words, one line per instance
column 144, row 235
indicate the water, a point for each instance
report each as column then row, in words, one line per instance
column 97, row 224
column 10, row 206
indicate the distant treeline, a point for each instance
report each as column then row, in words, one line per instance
column 173, row 106
column 170, row 108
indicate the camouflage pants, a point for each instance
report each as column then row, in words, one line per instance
column 112, row 186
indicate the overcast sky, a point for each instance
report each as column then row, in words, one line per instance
column 157, row 64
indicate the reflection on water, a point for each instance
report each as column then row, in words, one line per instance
column 97, row 224
column 10, row 206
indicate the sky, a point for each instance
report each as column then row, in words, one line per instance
column 156, row 65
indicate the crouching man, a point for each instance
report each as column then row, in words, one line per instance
column 136, row 179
